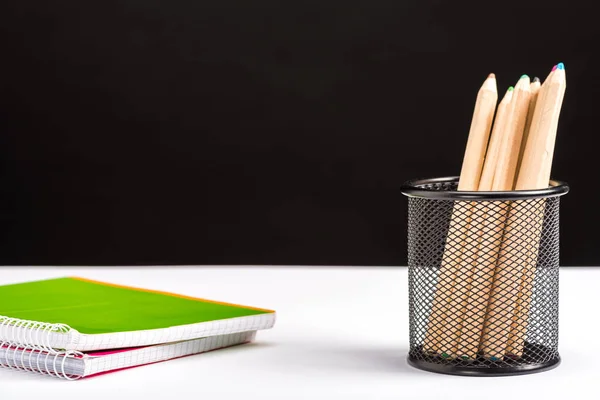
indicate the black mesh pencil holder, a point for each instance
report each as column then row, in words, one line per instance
column 483, row 278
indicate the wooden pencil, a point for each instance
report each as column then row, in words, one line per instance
column 437, row 338
column 518, row 310
column 469, row 180
column 505, row 174
column 491, row 157
column 535, row 173
column 487, row 227
column 537, row 159
column 481, row 124
column 505, row 284
column 534, row 88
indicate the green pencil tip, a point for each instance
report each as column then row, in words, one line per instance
column 445, row 355
column 524, row 76
column 510, row 88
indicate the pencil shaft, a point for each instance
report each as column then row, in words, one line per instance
column 438, row 337
column 498, row 131
column 535, row 89
column 528, row 220
column 505, row 174
column 537, row 157
column 535, row 174
column 506, row 284
column 500, row 308
column 460, row 287
column 481, row 123
column 488, row 228
column 485, row 231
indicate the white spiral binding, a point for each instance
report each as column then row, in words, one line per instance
column 20, row 339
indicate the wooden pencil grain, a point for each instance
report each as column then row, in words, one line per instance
column 505, row 285
column 486, row 225
column 535, row 173
column 438, row 338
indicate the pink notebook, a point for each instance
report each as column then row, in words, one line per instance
column 74, row 365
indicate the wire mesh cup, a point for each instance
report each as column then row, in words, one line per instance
column 483, row 278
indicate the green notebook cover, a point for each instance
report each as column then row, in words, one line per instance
column 93, row 307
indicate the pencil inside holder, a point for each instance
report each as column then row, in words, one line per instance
column 483, row 278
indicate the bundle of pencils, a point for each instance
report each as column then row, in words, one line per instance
column 484, row 311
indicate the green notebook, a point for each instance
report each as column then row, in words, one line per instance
column 80, row 314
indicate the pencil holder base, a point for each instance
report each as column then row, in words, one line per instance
column 479, row 367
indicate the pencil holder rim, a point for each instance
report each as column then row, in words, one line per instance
column 415, row 188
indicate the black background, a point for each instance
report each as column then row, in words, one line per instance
column 265, row 132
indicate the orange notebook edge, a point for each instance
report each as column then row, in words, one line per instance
column 169, row 294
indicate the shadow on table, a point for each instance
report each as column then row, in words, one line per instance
column 366, row 360
column 336, row 358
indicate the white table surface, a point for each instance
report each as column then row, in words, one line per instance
column 340, row 333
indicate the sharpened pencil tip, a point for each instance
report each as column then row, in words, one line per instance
column 492, row 76
column 554, row 68
column 560, row 66
column 524, row 76
column 536, row 79
column 510, row 88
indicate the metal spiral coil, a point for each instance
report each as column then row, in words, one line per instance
column 26, row 346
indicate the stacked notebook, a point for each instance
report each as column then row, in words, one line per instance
column 74, row 327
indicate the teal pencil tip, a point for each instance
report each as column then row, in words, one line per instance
column 524, row 76
column 493, row 358
column 560, row 66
